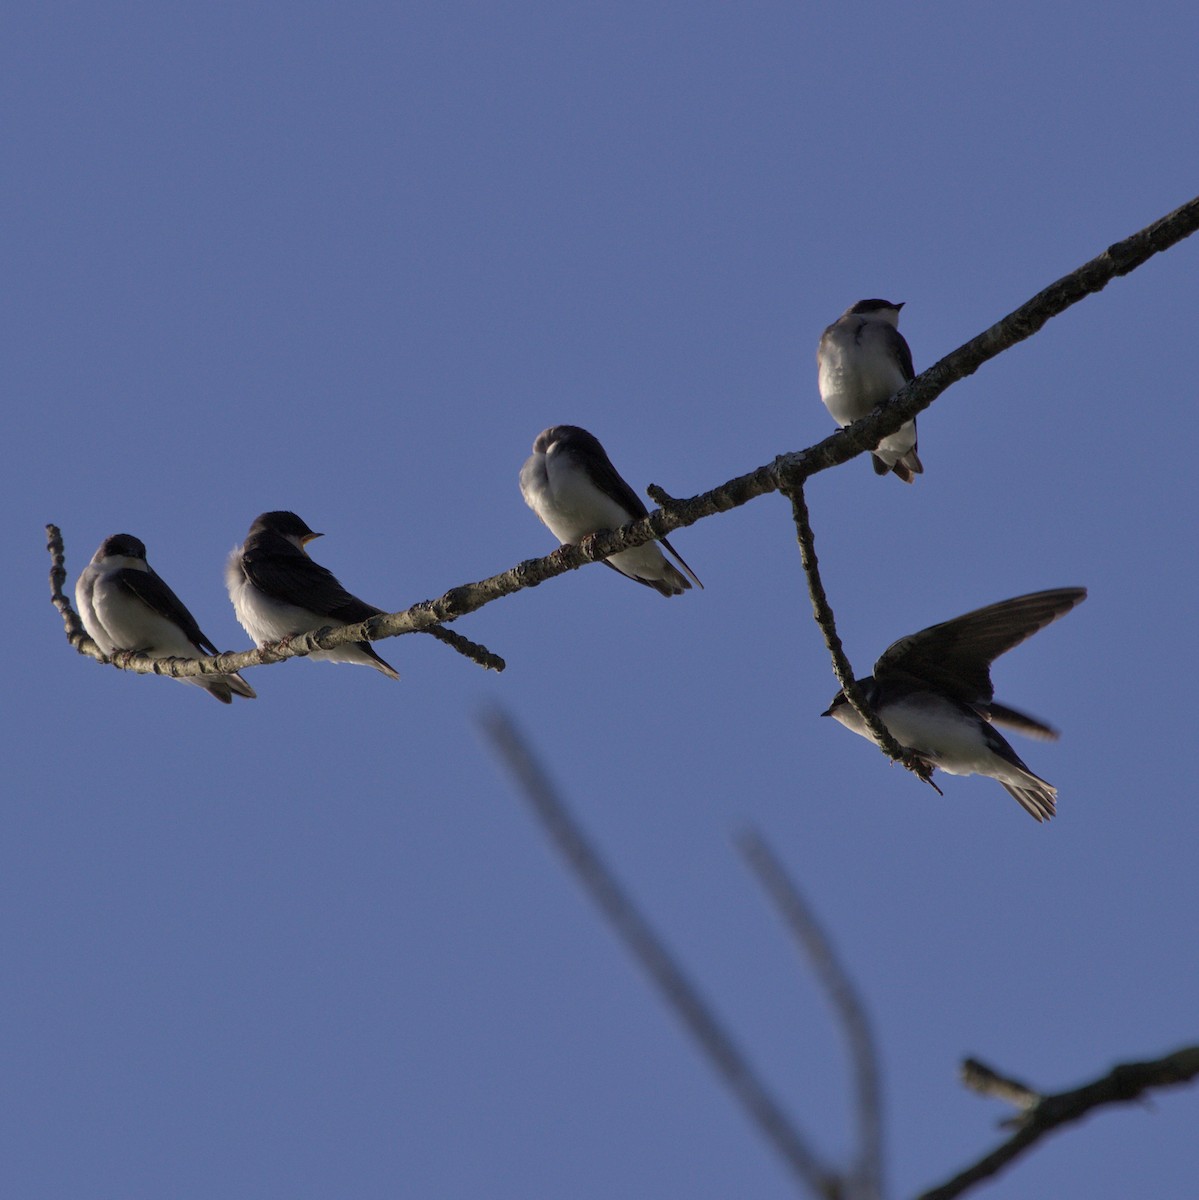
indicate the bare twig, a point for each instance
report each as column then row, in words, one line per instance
column 842, row 668
column 76, row 634
column 465, row 647
column 986, row 1081
column 786, row 473
column 649, row 950
column 797, row 914
column 1122, row 1084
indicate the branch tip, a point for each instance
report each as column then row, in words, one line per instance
column 1124, row 1083
column 801, row 921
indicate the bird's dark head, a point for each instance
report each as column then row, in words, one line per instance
column 555, row 434
column 285, row 525
column 886, row 311
column 841, row 709
column 876, row 308
column 121, row 545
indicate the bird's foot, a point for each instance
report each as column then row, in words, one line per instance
column 922, row 768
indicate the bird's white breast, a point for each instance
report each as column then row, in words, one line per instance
column 857, row 373
column 935, row 726
column 564, row 497
column 117, row 620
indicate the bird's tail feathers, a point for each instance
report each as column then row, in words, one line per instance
column 1038, row 799
column 239, row 687
column 380, row 665
column 224, row 687
column 907, row 467
column 1030, row 791
column 357, row 654
column 672, row 583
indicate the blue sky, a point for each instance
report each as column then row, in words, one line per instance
column 349, row 260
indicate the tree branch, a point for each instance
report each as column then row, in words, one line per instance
column 655, row 959
column 468, row 649
column 797, row 914
column 786, row 473
column 1123, row 1083
column 823, row 613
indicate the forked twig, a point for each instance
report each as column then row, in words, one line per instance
column 797, row 915
column 1121, row 1085
column 656, row 960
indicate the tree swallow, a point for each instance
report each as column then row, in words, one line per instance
column 126, row 607
column 279, row 592
column 933, row 692
column 571, row 484
column 863, row 360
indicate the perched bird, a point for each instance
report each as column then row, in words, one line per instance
column 278, row 591
column 932, row 690
column 863, row 360
column 570, row 483
column 126, row 607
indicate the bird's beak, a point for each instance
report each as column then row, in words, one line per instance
column 308, row 537
column 828, row 712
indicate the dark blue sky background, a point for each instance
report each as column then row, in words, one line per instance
column 349, row 260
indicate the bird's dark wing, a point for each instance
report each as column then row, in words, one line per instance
column 154, row 593
column 682, row 563
column 593, row 458
column 955, row 657
column 295, row 579
column 1014, row 719
column 898, row 345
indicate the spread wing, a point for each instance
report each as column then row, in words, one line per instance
column 149, row 588
column 295, row 579
column 955, row 657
